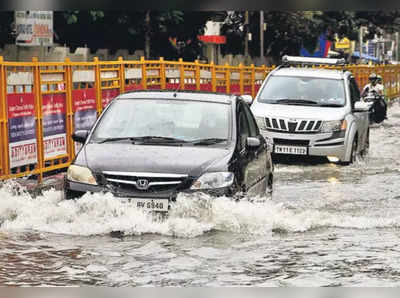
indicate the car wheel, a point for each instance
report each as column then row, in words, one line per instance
column 270, row 186
column 364, row 152
column 353, row 155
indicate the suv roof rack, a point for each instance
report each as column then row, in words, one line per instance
column 297, row 60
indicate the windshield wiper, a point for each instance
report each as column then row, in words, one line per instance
column 296, row 101
column 209, row 141
column 330, row 105
column 157, row 139
column 145, row 139
column 115, row 139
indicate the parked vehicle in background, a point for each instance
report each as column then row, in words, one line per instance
column 303, row 110
column 152, row 145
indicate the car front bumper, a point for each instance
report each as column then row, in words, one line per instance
column 320, row 144
column 74, row 190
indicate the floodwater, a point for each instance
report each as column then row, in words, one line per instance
column 326, row 225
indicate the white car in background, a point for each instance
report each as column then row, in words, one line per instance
column 304, row 110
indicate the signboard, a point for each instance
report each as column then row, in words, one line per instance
column 107, row 95
column 21, row 129
column 54, row 129
column 34, row 28
column 343, row 43
column 85, row 113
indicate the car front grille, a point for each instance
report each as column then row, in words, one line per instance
column 138, row 182
column 292, row 126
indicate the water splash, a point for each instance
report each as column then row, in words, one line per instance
column 190, row 216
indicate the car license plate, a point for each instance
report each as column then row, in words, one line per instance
column 290, row 150
column 152, row 204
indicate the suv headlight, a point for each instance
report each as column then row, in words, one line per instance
column 213, row 180
column 336, row 125
column 80, row 174
column 261, row 123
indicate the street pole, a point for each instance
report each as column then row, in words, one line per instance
column 261, row 34
column 397, row 46
column 246, row 31
column 360, row 40
column 147, row 35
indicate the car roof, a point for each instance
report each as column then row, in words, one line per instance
column 311, row 72
column 184, row 95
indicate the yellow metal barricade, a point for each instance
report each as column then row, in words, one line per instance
column 20, row 129
column 110, row 81
column 85, row 102
column 55, row 114
column 42, row 104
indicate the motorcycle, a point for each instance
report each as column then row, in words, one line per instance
column 377, row 107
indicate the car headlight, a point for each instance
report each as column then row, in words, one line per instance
column 336, row 125
column 261, row 123
column 80, row 174
column 213, row 180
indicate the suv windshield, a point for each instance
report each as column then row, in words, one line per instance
column 303, row 91
column 164, row 120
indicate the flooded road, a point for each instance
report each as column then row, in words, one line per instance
column 326, row 225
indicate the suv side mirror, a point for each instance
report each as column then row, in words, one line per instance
column 247, row 99
column 361, row 106
column 253, row 143
column 80, row 136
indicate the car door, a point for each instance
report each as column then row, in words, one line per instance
column 361, row 118
column 253, row 162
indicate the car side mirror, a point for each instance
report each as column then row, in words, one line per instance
column 361, row 106
column 80, row 136
column 253, row 143
column 247, row 99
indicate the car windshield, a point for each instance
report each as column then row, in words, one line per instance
column 164, row 120
column 303, row 91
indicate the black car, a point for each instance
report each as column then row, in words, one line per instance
column 151, row 145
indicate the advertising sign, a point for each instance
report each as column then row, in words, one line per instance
column 21, row 129
column 34, row 28
column 108, row 95
column 84, row 107
column 54, row 129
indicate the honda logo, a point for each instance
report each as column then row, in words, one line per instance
column 142, row 184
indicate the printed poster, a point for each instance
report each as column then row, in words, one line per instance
column 21, row 129
column 54, row 128
column 108, row 95
column 85, row 113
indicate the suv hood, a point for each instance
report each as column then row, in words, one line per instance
column 297, row 111
column 191, row 160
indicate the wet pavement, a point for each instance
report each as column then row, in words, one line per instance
column 326, row 225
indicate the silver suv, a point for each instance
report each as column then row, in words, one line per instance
column 304, row 110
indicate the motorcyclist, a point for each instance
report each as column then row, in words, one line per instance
column 372, row 87
column 375, row 91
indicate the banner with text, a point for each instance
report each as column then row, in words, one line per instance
column 54, row 129
column 108, row 95
column 21, row 129
column 34, row 28
column 85, row 113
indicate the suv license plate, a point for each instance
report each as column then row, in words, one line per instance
column 290, row 150
column 151, row 204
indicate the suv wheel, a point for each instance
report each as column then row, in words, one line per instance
column 270, row 186
column 364, row 152
column 353, row 155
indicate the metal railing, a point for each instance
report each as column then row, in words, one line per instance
column 42, row 103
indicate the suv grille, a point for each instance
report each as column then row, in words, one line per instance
column 295, row 126
column 145, row 182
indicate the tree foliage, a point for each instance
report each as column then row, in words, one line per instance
column 288, row 31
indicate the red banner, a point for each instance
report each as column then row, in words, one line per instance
column 54, row 126
column 108, row 95
column 21, row 129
